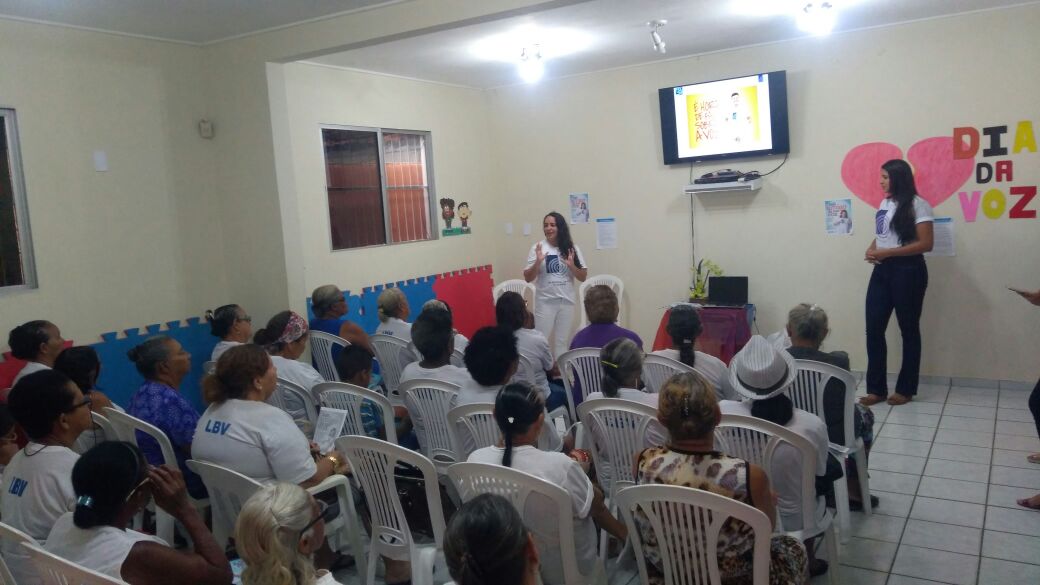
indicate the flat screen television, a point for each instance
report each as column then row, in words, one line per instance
column 730, row 118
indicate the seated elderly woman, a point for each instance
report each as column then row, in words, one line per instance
column 461, row 341
column 492, row 360
column 684, row 326
column 278, row 531
column 763, row 374
column 330, row 307
column 510, row 313
column 285, row 339
column 164, row 364
column 486, row 542
column 52, row 410
column 689, row 410
column 807, row 327
column 232, row 325
column 520, row 414
column 36, row 342
column 241, row 431
column 601, row 307
column 113, row 482
column 393, row 312
column 432, row 336
column 83, row 367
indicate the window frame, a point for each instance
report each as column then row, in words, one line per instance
column 21, row 205
column 433, row 206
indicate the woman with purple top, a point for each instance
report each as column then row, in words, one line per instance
column 601, row 306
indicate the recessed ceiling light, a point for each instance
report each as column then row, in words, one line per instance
column 817, row 18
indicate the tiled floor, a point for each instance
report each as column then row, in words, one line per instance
column 948, row 468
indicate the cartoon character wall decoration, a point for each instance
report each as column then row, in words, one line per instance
column 448, row 212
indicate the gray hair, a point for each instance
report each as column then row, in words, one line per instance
column 324, row 297
column 435, row 304
column 267, row 534
column 149, row 354
column 809, row 322
column 621, row 360
column 390, row 302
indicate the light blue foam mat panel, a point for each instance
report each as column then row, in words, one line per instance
column 120, row 379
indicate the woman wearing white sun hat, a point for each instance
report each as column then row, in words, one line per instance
column 761, row 375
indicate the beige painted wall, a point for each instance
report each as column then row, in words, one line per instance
column 601, row 133
column 133, row 245
column 457, row 120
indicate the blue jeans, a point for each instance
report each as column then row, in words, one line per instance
column 899, row 284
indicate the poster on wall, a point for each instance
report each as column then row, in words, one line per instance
column 943, row 244
column 838, row 217
column 579, row 207
column 606, row 233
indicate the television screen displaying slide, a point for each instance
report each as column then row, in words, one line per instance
column 739, row 117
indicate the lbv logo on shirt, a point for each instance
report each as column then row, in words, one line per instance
column 18, row 486
column 880, row 223
column 216, row 427
column 553, row 265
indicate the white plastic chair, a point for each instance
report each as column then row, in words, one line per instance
column 290, row 397
column 8, row 532
column 613, row 282
column 549, row 515
column 756, row 440
column 393, row 355
column 583, row 366
column 472, row 427
column 686, row 523
column 428, row 403
column 620, row 430
column 657, row 369
column 55, row 570
column 521, row 287
column 372, row 462
column 229, row 490
column 349, row 397
column 807, row 394
column 208, row 368
column 322, row 345
column 127, row 427
column 99, row 432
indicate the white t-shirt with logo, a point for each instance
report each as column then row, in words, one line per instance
column 395, row 327
column 885, row 236
column 540, row 515
column 37, row 490
column 254, row 439
column 554, row 280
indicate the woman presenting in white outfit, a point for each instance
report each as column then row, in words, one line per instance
column 552, row 265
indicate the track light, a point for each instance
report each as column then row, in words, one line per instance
column 531, row 67
column 655, row 36
column 817, row 18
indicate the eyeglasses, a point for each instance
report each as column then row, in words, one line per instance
column 326, row 512
column 143, row 483
column 86, row 402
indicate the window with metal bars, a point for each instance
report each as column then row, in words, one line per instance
column 17, row 268
column 379, row 186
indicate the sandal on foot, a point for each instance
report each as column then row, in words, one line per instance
column 898, row 399
column 871, row 399
column 1026, row 503
column 1034, row 458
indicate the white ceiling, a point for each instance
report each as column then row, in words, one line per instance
column 619, row 36
column 189, row 21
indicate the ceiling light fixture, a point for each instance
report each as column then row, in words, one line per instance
column 817, row 18
column 655, row 36
column 531, row 68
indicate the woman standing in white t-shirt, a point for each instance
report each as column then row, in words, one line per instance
column 899, row 280
column 552, row 265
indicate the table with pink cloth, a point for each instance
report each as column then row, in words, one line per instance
column 725, row 330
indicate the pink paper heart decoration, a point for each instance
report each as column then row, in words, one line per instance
column 937, row 174
column 861, row 170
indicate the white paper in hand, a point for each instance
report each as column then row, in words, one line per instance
column 328, row 428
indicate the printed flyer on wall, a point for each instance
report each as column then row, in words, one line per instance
column 838, row 217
